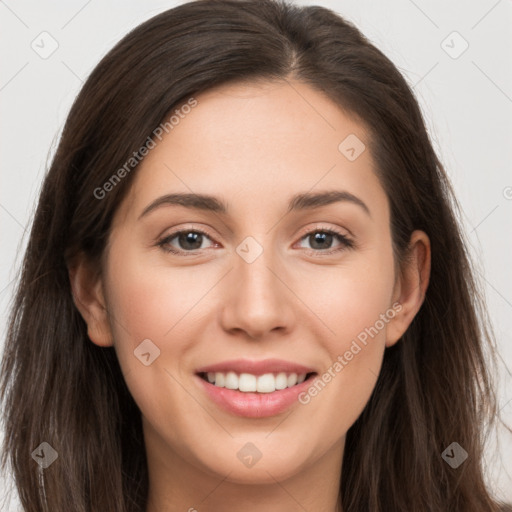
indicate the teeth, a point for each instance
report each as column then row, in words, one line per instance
column 219, row 380
column 292, row 379
column 281, row 381
column 248, row 383
column 266, row 383
column 231, row 380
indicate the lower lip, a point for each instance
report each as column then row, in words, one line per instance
column 255, row 405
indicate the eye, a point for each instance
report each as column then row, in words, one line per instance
column 191, row 240
column 187, row 240
column 321, row 240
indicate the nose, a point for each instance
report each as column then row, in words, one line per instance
column 257, row 300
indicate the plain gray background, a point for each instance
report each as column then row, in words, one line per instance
column 456, row 56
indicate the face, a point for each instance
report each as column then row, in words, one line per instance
column 283, row 277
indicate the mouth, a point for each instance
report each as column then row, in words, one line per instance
column 255, row 389
column 250, row 383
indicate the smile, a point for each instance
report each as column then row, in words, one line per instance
column 255, row 389
column 247, row 382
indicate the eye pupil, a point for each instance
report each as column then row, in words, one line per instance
column 192, row 238
column 321, row 237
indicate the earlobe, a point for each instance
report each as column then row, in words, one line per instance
column 411, row 286
column 87, row 290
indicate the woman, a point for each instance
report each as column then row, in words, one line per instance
column 245, row 285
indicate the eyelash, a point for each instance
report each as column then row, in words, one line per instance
column 345, row 242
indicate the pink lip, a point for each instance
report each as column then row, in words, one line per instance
column 256, row 367
column 254, row 405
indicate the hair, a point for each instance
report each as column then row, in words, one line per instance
column 58, row 387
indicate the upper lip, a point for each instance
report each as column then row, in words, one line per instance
column 256, row 367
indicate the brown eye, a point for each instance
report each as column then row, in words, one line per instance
column 184, row 241
column 322, row 240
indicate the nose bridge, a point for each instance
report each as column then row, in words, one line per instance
column 252, row 267
column 257, row 302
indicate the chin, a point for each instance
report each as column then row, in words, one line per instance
column 246, row 465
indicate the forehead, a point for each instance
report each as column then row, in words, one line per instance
column 266, row 119
column 245, row 141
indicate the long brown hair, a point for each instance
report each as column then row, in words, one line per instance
column 60, row 388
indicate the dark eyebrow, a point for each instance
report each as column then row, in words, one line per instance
column 303, row 201
column 315, row 200
column 197, row 201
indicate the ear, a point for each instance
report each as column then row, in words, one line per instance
column 87, row 289
column 410, row 287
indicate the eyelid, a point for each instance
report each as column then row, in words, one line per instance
column 321, row 227
column 186, row 227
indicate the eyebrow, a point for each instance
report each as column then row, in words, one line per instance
column 304, row 201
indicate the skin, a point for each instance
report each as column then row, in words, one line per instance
column 253, row 146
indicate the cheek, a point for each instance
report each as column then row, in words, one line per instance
column 148, row 301
column 351, row 297
column 354, row 302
